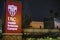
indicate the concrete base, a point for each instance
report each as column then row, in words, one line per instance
column 10, row 36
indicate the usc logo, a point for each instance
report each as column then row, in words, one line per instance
column 12, row 9
column 12, row 19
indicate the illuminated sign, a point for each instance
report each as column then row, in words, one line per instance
column 13, row 17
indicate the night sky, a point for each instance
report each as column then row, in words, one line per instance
column 41, row 8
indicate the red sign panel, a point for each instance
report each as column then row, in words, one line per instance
column 13, row 17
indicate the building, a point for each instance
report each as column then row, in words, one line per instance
column 37, row 24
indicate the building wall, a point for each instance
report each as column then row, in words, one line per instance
column 37, row 24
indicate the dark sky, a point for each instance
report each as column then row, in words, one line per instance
column 41, row 8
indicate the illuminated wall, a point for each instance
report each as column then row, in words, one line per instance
column 37, row 24
column 56, row 23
